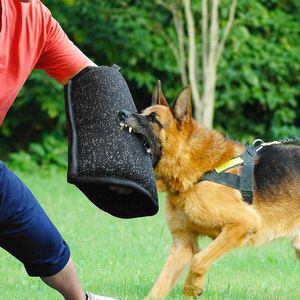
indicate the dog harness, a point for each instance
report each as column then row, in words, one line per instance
column 244, row 181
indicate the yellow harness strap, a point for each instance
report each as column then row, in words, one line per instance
column 229, row 164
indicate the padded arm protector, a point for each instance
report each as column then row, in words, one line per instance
column 109, row 165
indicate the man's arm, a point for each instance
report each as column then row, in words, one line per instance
column 89, row 64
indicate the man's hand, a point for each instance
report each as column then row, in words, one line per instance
column 89, row 64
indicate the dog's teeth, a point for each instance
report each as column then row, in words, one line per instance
column 148, row 150
column 125, row 125
column 122, row 125
column 130, row 129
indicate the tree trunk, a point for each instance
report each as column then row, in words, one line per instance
column 211, row 68
column 212, row 49
column 178, row 21
column 192, row 58
column 208, row 98
column 204, row 26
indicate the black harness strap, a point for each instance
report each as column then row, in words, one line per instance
column 244, row 182
column 247, row 174
column 228, row 179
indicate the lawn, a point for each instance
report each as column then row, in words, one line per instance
column 122, row 258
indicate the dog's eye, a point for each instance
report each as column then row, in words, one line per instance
column 152, row 117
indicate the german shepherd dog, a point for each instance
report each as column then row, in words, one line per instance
column 182, row 151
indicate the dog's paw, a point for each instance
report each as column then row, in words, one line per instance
column 192, row 292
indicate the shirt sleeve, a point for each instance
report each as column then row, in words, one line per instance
column 60, row 58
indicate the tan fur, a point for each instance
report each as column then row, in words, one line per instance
column 196, row 209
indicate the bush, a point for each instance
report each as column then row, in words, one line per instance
column 258, row 88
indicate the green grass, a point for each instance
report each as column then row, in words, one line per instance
column 122, row 258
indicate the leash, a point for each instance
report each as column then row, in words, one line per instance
column 244, row 181
column 262, row 144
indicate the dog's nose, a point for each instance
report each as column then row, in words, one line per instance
column 123, row 114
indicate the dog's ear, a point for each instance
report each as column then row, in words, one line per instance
column 182, row 106
column 158, row 96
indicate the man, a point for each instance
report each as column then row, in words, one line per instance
column 30, row 38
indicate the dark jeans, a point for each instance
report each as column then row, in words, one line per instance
column 26, row 231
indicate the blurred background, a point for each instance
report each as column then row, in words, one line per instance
column 242, row 59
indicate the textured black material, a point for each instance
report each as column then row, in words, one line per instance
column 109, row 165
column 244, row 182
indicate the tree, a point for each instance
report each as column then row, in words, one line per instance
column 212, row 49
column 257, row 87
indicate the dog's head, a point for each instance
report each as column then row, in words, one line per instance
column 160, row 125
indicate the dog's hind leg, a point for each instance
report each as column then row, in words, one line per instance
column 296, row 245
column 183, row 248
column 231, row 237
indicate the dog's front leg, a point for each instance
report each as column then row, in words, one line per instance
column 232, row 236
column 183, row 247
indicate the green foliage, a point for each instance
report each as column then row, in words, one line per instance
column 38, row 112
column 258, row 87
column 259, row 78
column 50, row 151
